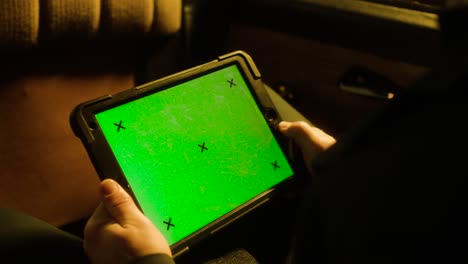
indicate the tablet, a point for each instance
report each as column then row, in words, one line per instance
column 196, row 150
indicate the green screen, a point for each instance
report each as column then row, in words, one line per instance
column 195, row 151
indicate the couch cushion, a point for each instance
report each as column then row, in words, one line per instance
column 19, row 22
column 26, row 23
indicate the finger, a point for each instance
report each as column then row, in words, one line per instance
column 99, row 218
column 297, row 131
column 311, row 140
column 118, row 203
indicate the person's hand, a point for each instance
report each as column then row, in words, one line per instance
column 311, row 140
column 118, row 232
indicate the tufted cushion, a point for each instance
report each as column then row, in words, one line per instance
column 19, row 22
column 63, row 18
column 31, row 22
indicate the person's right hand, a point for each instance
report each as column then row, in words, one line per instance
column 118, row 232
column 311, row 140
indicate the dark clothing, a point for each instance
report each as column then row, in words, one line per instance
column 155, row 259
column 23, row 237
column 394, row 188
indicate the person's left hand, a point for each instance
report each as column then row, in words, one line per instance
column 118, row 232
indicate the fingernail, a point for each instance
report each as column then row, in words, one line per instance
column 108, row 187
column 283, row 125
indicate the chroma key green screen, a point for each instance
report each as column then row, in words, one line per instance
column 195, row 151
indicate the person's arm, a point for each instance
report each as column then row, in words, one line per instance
column 118, row 232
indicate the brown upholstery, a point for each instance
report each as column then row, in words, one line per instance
column 19, row 22
column 44, row 169
column 31, row 22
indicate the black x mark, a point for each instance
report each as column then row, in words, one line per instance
column 169, row 224
column 203, row 148
column 231, row 83
column 275, row 165
column 119, row 126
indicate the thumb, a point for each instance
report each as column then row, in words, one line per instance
column 299, row 132
column 311, row 140
column 118, row 203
